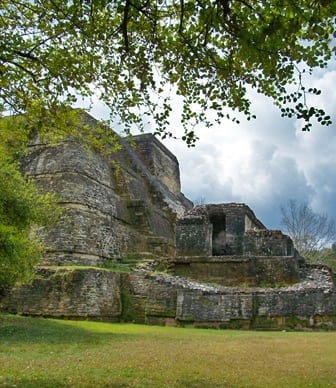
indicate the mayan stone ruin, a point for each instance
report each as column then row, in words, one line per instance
column 131, row 247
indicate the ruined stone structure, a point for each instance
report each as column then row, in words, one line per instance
column 116, row 207
column 228, row 229
column 226, row 244
column 204, row 266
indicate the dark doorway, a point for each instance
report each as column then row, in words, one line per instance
column 218, row 235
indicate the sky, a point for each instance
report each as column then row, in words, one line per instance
column 265, row 162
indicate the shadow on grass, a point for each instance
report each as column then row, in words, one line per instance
column 33, row 383
column 18, row 329
column 56, row 383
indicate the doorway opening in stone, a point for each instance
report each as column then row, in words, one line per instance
column 219, row 246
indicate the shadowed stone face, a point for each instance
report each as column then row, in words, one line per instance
column 219, row 246
column 160, row 161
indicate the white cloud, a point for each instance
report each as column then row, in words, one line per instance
column 264, row 162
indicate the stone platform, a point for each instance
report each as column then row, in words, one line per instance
column 152, row 298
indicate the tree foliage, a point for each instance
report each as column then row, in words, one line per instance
column 325, row 256
column 132, row 53
column 310, row 232
column 22, row 210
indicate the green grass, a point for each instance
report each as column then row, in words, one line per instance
column 37, row 352
column 108, row 266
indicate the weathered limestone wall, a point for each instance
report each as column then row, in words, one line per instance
column 96, row 223
column 160, row 161
column 193, row 236
column 252, row 271
column 91, row 293
column 267, row 243
column 310, row 303
column 217, row 229
column 235, row 228
column 150, row 300
column 88, row 293
column 238, row 218
column 261, row 310
column 115, row 206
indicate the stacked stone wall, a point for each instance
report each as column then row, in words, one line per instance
column 115, row 206
column 238, row 218
column 198, row 234
column 267, row 243
column 242, row 271
column 193, row 237
column 160, row 161
column 310, row 303
column 167, row 300
column 69, row 293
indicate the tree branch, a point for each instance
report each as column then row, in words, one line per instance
column 181, row 16
column 124, row 25
column 5, row 60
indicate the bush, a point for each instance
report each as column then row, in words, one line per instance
column 22, row 210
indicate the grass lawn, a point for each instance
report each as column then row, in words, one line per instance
column 37, row 352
